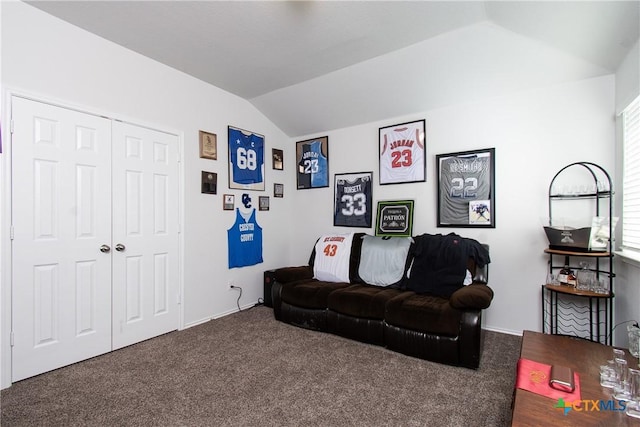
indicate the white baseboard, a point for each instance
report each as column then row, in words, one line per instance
column 235, row 310
column 219, row 315
column 504, row 331
column 196, row 323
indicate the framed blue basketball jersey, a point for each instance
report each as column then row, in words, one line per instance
column 313, row 163
column 246, row 159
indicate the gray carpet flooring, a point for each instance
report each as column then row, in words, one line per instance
column 247, row 369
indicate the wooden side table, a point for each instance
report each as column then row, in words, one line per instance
column 584, row 357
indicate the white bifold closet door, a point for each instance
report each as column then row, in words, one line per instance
column 94, row 235
column 145, row 234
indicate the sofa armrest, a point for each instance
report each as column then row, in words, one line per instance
column 481, row 274
column 476, row 296
column 291, row 274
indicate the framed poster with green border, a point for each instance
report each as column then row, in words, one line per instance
column 466, row 183
column 395, row 218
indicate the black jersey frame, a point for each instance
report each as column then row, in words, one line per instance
column 312, row 166
column 466, row 190
column 353, row 207
column 397, row 151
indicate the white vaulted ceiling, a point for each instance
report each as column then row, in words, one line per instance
column 313, row 66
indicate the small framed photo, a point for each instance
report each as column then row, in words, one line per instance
column 246, row 159
column 278, row 159
column 263, row 203
column 208, row 145
column 402, row 153
column 229, row 201
column 209, row 183
column 312, row 158
column 353, row 196
column 395, row 218
column 466, row 183
column 278, row 190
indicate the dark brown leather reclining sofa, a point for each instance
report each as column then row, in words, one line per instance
column 429, row 313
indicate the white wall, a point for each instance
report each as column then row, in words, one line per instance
column 628, row 78
column 627, row 284
column 48, row 58
column 535, row 133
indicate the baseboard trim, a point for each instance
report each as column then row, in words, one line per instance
column 504, row 331
column 196, row 323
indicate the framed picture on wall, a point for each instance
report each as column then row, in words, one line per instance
column 312, row 157
column 228, row 202
column 278, row 190
column 278, row 159
column 395, row 218
column 208, row 145
column 353, row 195
column 402, row 153
column 246, row 159
column 263, row 203
column 466, row 195
column 209, row 183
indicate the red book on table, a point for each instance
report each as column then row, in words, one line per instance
column 534, row 377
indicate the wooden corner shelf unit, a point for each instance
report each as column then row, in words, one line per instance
column 567, row 310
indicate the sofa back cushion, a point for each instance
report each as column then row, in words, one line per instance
column 333, row 258
column 354, row 257
column 440, row 263
column 383, row 260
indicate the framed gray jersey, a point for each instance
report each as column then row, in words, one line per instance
column 465, row 189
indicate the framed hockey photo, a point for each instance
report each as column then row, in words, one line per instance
column 312, row 158
column 403, row 153
column 246, row 159
column 228, row 202
column 466, row 189
column 395, row 218
column 263, row 203
column 208, row 145
column 353, row 199
column 278, row 159
column 209, row 183
column 278, row 190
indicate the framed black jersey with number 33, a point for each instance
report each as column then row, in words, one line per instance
column 353, row 199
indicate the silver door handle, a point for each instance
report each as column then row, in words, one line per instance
column 105, row 249
column 120, row 247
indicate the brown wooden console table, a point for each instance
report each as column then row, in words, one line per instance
column 585, row 357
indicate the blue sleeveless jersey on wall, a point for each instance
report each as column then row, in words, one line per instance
column 245, row 241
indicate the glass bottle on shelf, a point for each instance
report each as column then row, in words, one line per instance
column 566, row 275
column 572, row 279
column 586, row 278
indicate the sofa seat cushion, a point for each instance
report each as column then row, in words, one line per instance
column 363, row 301
column 424, row 313
column 309, row 293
